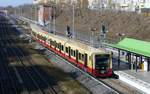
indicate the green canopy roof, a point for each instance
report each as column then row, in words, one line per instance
column 134, row 46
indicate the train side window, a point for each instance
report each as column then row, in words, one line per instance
column 85, row 59
column 59, row 46
column 71, row 52
column 79, row 56
column 62, row 47
column 67, row 49
column 51, row 42
column 55, row 43
column 74, row 53
column 82, row 58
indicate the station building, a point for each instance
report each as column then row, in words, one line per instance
column 132, row 62
column 135, row 52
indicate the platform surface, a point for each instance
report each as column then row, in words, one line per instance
column 145, row 76
column 139, row 79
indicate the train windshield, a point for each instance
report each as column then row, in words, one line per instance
column 102, row 61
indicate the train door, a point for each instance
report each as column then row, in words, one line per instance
column 77, row 56
column 85, row 60
column 69, row 51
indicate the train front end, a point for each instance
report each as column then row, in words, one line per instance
column 103, row 65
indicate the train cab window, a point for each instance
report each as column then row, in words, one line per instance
column 67, row 50
column 62, row 47
column 102, row 61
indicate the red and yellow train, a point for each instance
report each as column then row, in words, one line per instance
column 95, row 61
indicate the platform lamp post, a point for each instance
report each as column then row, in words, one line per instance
column 91, row 38
column 15, row 9
column 31, row 35
column 103, row 31
column 20, row 11
column 50, row 19
column 120, row 35
column 34, row 11
column 54, row 17
column 30, row 13
column 35, row 4
column 120, row 38
column 73, row 19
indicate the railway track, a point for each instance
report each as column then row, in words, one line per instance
column 6, row 80
column 35, row 72
column 22, row 76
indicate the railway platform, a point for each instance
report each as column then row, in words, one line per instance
column 131, row 60
column 139, row 80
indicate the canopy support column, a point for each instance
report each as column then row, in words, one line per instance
column 148, row 61
column 141, row 62
column 118, row 58
column 129, row 59
column 136, row 63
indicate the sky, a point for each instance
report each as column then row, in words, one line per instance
column 4, row 3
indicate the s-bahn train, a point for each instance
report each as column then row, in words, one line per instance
column 94, row 61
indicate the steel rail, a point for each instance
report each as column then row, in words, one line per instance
column 6, row 32
column 20, row 61
column 3, row 58
column 30, row 61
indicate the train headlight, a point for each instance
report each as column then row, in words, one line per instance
column 102, row 71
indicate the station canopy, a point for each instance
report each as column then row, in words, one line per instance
column 134, row 46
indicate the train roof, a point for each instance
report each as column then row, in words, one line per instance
column 73, row 43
